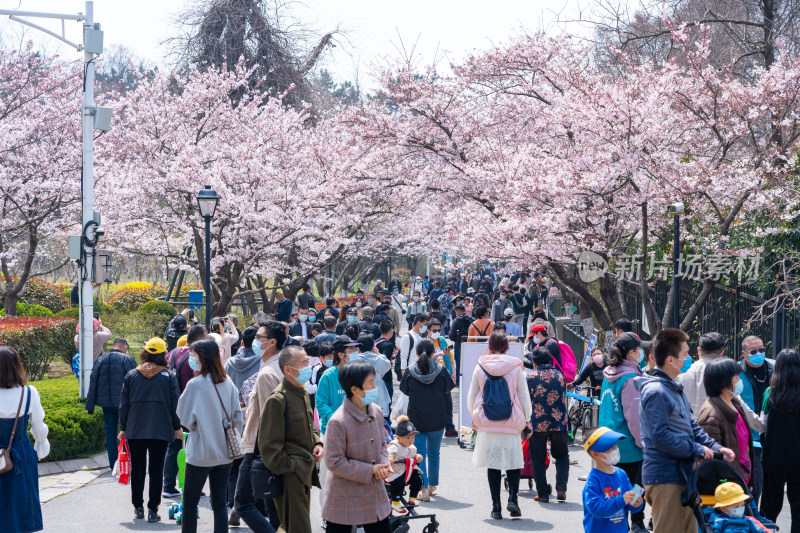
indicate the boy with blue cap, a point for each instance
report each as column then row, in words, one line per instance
column 607, row 495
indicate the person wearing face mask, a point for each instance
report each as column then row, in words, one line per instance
column 728, row 512
column 607, row 496
column 408, row 354
column 348, row 319
column 330, row 393
column 670, row 437
column 500, row 305
column 427, row 383
column 444, row 356
column 710, row 347
column 619, row 410
column 208, row 398
column 290, row 446
column 254, row 392
column 395, row 284
column 592, row 371
column 416, row 307
column 356, row 456
column 722, row 415
column 756, row 373
column 325, row 362
column 300, row 326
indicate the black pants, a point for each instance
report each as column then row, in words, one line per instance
column 233, row 477
column 772, row 497
column 387, row 378
column 457, row 357
column 397, row 486
column 634, row 471
column 448, row 406
column 246, row 505
column 376, row 527
column 494, row 482
column 194, row 481
column 142, row 450
column 758, row 475
column 559, row 451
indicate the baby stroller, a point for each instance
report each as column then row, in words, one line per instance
column 399, row 524
column 527, row 469
column 702, row 483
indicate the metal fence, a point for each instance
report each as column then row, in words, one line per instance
column 575, row 338
column 727, row 311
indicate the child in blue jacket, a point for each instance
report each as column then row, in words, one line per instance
column 727, row 515
column 607, row 496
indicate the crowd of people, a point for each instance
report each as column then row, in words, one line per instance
column 337, row 398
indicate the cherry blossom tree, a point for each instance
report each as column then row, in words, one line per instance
column 40, row 154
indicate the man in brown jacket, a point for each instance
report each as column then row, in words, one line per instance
column 291, row 450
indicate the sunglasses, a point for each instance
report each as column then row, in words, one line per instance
column 435, row 330
column 759, row 350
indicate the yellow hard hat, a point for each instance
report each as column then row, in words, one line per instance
column 182, row 340
column 729, row 493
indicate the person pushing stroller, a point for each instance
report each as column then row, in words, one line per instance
column 404, row 459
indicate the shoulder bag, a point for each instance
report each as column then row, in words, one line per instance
column 232, row 436
column 5, row 454
column 266, row 484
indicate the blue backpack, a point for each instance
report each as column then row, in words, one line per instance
column 497, row 403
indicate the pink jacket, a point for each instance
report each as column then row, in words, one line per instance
column 510, row 368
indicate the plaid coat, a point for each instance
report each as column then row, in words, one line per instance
column 354, row 442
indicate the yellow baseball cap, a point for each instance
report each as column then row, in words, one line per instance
column 182, row 340
column 156, row 345
column 729, row 493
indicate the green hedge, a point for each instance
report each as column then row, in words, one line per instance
column 39, row 341
column 24, row 309
column 72, row 312
column 73, row 433
column 41, row 292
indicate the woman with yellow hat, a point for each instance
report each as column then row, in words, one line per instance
column 149, row 422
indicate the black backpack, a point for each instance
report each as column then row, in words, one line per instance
column 497, row 403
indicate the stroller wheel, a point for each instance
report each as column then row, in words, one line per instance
column 433, row 527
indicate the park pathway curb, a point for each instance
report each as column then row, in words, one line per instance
column 57, row 478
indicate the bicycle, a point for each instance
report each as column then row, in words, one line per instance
column 579, row 415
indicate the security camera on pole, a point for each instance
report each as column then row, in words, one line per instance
column 91, row 118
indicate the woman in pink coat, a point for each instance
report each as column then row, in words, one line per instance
column 356, row 457
column 498, row 445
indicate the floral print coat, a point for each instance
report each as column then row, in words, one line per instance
column 548, row 391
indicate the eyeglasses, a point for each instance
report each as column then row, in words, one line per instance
column 262, row 337
column 758, row 350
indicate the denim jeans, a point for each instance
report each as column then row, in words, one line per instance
column 233, row 479
column 245, row 504
column 194, row 481
column 428, row 446
column 111, row 421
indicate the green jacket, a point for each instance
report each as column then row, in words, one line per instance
column 287, row 450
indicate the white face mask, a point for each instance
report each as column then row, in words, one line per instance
column 434, row 335
column 611, row 457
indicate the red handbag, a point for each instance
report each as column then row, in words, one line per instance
column 123, row 466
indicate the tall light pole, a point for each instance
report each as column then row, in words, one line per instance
column 207, row 200
column 677, row 208
column 91, row 118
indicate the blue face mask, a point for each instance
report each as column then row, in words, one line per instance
column 351, row 318
column 370, row 396
column 328, row 362
column 738, row 388
column 355, row 356
column 738, row 512
column 302, row 318
column 257, row 349
column 312, row 318
column 758, row 359
column 194, row 364
column 686, row 364
column 423, row 329
column 396, row 291
column 304, row 375
column 416, row 298
column 641, row 356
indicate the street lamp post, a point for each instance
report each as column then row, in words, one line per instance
column 677, row 208
column 207, row 201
